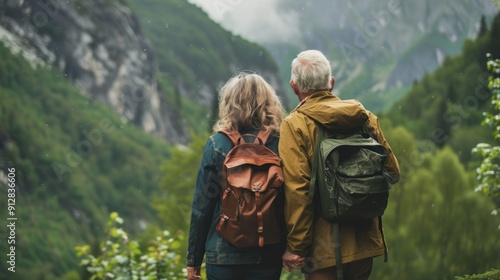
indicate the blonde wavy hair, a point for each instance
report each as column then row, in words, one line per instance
column 247, row 101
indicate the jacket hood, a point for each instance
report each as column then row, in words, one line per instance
column 333, row 112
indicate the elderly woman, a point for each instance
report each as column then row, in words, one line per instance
column 247, row 104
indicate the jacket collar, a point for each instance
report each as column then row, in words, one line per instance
column 333, row 112
column 314, row 95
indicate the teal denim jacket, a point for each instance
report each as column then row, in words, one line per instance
column 203, row 238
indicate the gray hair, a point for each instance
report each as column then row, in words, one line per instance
column 311, row 71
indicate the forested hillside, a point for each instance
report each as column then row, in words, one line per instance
column 159, row 64
column 196, row 56
column 446, row 107
column 439, row 227
column 75, row 162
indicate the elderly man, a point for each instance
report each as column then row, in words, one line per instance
column 310, row 239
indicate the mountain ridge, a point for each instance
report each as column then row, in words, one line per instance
column 163, row 87
column 102, row 51
column 395, row 42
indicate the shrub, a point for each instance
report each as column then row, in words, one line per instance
column 119, row 257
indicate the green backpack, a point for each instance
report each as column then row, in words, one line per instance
column 348, row 179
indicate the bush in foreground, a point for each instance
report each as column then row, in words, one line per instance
column 121, row 258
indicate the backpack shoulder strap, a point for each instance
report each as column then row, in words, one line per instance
column 316, row 160
column 233, row 135
column 236, row 137
column 365, row 128
column 262, row 135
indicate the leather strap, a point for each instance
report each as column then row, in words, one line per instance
column 386, row 252
column 236, row 137
column 263, row 135
column 233, row 135
column 260, row 219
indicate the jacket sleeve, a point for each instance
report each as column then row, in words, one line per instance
column 206, row 195
column 299, row 212
column 391, row 164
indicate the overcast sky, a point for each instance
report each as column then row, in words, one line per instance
column 260, row 21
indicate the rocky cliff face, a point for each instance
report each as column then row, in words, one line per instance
column 101, row 50
column 438, row 29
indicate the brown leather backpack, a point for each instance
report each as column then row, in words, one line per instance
column 251, row 180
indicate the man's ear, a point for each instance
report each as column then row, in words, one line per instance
column 332, row 83
column 294, row 87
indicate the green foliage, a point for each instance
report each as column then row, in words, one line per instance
column 175, row 195
column 447, row 105
column 75, row 161
column 294, row 274
column 489, row 170
column 433, row 216
column 493, row 274
column 483, row 27
column 493, row 36
column 120, row 257
column 173, row 200
column 195, row 54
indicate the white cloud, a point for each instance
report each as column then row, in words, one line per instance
column 262, row 21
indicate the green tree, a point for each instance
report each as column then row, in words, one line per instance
column 488, row 173
column 483, row 27
column 440, row 218
column 494, row 42
column 175, row 195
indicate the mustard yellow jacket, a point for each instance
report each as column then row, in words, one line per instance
column 309, row 235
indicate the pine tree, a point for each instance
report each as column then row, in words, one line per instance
column 441, row 124
column 483, row 27
column 494, row 48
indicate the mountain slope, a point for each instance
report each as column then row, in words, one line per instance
column 75, row 162
column 100, row 47
column 377, row 48
column 164, row 88
column 196, row 56
column 446, row 107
